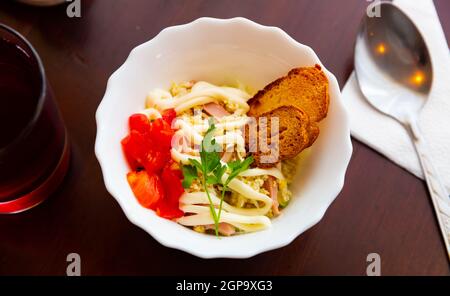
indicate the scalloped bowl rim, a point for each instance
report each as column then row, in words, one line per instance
column 172, row 242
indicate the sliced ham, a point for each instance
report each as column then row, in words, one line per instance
column 226, row 156
column 215, row 110
column 224, row 228
column 271, row 185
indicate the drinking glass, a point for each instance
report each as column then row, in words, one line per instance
column 34, row 149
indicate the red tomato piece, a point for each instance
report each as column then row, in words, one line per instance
column 148, row 146
column 147, row 188
column 137, row 146
column 169, row 206
column 141, row 151
column 126, row 147
column 169, row 211
column 169, row 115
column 171, row 180
column 175, row 167
column 162, row 133
column 139, row 122
column 155, row 159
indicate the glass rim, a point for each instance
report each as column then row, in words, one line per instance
column 43, row 90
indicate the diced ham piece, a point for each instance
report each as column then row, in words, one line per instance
column 226, row 156
column 271, row 185
column 215, row 110
column 224, row 228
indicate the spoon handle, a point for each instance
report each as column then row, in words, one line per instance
column 438, row 193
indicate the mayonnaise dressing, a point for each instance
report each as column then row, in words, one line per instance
column 200, row 94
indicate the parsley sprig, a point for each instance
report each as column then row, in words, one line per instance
column 210, row 171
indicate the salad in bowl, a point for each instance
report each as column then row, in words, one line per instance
column 224, row 148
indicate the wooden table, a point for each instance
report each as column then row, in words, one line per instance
column 381, row 209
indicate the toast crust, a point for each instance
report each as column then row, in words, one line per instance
column 296, row 132
column 300, row 100
column 305, row 88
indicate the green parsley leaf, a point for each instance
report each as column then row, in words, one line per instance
column 196, row 164
column 219, row 171
column 190, row 174
column 238, row 167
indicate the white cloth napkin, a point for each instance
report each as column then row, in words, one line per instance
column 385, row 134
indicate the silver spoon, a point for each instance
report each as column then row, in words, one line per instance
column 394, row 72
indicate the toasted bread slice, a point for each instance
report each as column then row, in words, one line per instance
column 305, row 88
column 295, row 133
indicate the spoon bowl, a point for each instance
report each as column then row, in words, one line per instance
column 392, row 63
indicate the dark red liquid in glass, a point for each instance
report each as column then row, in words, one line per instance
column 32, row 134
column 19, row 89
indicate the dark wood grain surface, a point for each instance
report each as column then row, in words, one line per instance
column 381, row 209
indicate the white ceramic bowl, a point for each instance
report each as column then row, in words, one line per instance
column 221, row 51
